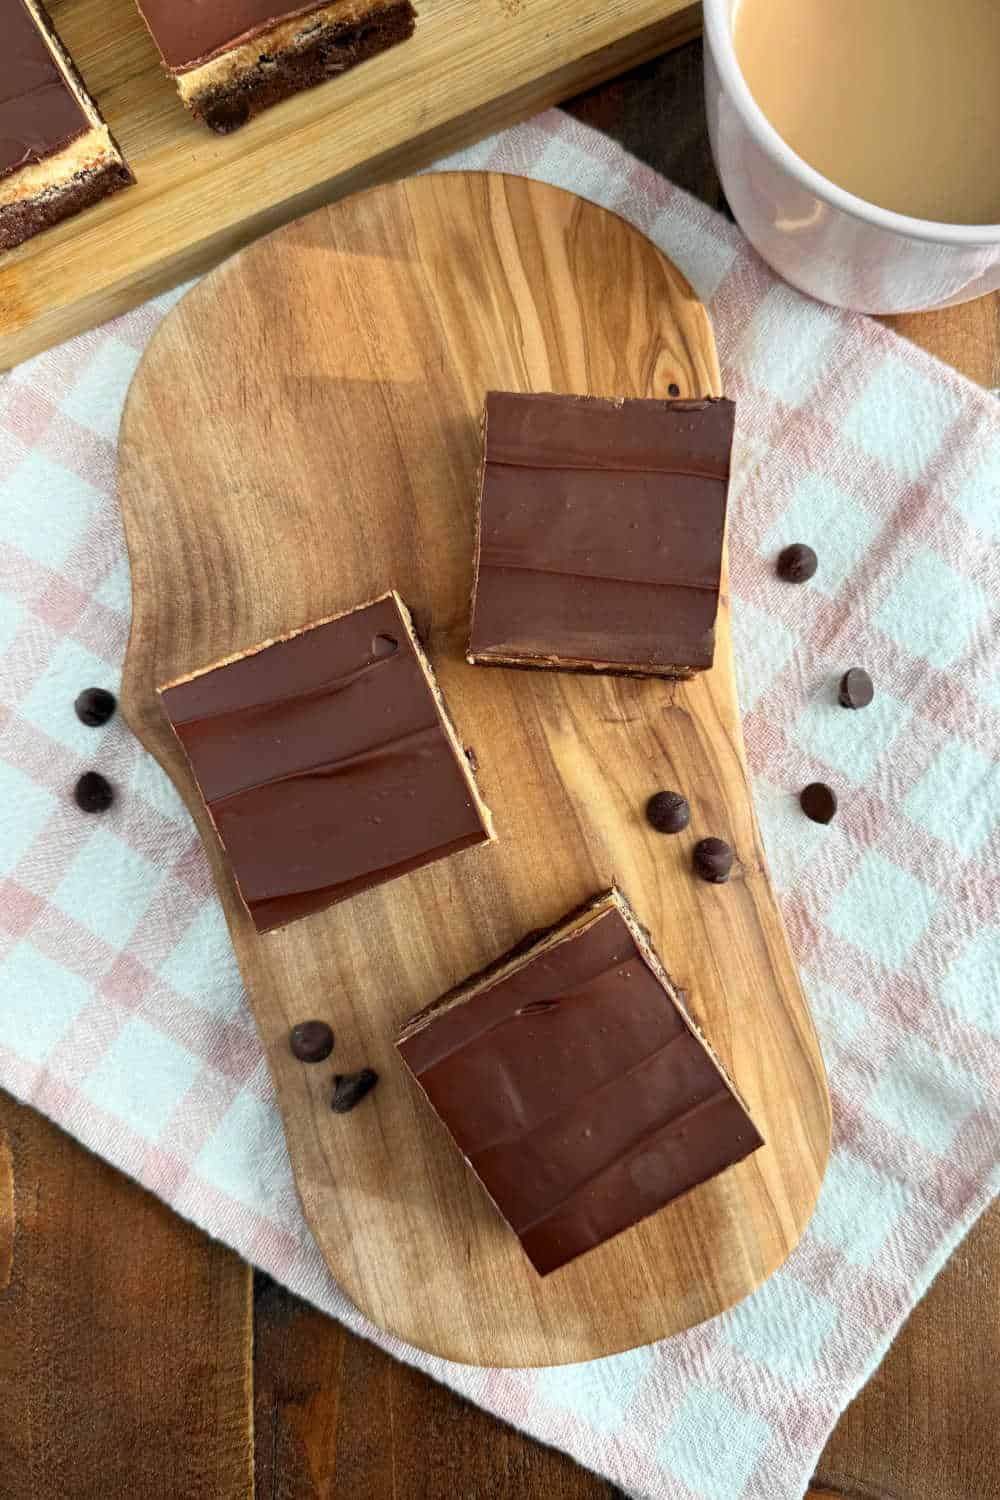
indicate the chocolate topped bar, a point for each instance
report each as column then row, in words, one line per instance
column 327, row 762
column 600, row 533
column 39, row 114
column 57, row 156
column 189, row 32
column 576, row 1085
column 233, row 58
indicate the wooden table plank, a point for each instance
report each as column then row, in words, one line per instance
column 336, row 1416
column 966, row 337
column 124, row 1335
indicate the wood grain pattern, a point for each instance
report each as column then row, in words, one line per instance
column 325, row 451
column 335, row 1416
column 474, row 66
column 966, row 337
column 124, row 1335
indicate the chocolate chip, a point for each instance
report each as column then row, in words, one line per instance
column 93, row 793
column 350, row 1088
column 797, row 563
column 856, row 688
column 311, row 1041
column 713, row 860
column 94, row 707
column 227, row 116
column 668, row 812
column 818, row 801
column 673, row 389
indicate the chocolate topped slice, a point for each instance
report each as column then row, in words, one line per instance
column 233, row 58
column 576, row 1085
column 327, row 762
column 39, row 112
column 600, row 533
column 57, row 156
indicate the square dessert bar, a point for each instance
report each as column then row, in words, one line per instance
column 575, row 1084
column 327, row 761
column 57, row 156
column 600, row 533
column 232, row 58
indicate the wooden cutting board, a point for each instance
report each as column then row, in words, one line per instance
column 474, row 66
column 302, row 433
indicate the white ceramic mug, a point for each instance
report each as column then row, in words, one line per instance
column 816, row 235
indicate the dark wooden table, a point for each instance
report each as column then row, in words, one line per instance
column 139, row 1359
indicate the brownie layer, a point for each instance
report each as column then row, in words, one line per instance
column 28, row 215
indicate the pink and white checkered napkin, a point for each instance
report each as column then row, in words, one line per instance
column 121, row 1010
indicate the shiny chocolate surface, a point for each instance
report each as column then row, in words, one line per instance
column 191, row 31
column 577, row 1092
column 39, row 113
column 601, row 532
column 324, row 763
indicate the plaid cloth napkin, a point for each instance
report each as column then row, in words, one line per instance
column 121, row 1010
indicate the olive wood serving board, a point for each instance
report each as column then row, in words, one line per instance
column 302, row 434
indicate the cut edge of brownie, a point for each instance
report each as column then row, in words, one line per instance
column 477, row 525
column 654, row 963
column 318, row 51
column 534, row 944
column 548, row 663
column 26, row 217
column 286, row 635
column 447, row 722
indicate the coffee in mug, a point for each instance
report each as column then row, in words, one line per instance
column 898, row 101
